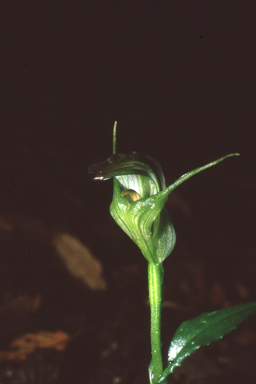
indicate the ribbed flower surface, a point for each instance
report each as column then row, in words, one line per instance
column 139, row 198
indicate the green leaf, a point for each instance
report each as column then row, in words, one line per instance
column 203, row 330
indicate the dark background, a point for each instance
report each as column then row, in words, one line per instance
column 179, row 78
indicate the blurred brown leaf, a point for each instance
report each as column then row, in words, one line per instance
column 79, row 260
column 20, row 348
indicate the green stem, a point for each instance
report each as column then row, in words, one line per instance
column 155, row 281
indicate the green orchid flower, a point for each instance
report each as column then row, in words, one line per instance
column 138, row 207
column 139, row 198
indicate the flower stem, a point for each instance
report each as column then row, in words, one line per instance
column 155, row 281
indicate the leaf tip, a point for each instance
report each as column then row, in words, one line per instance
column 233, row 154
column 114, row 138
